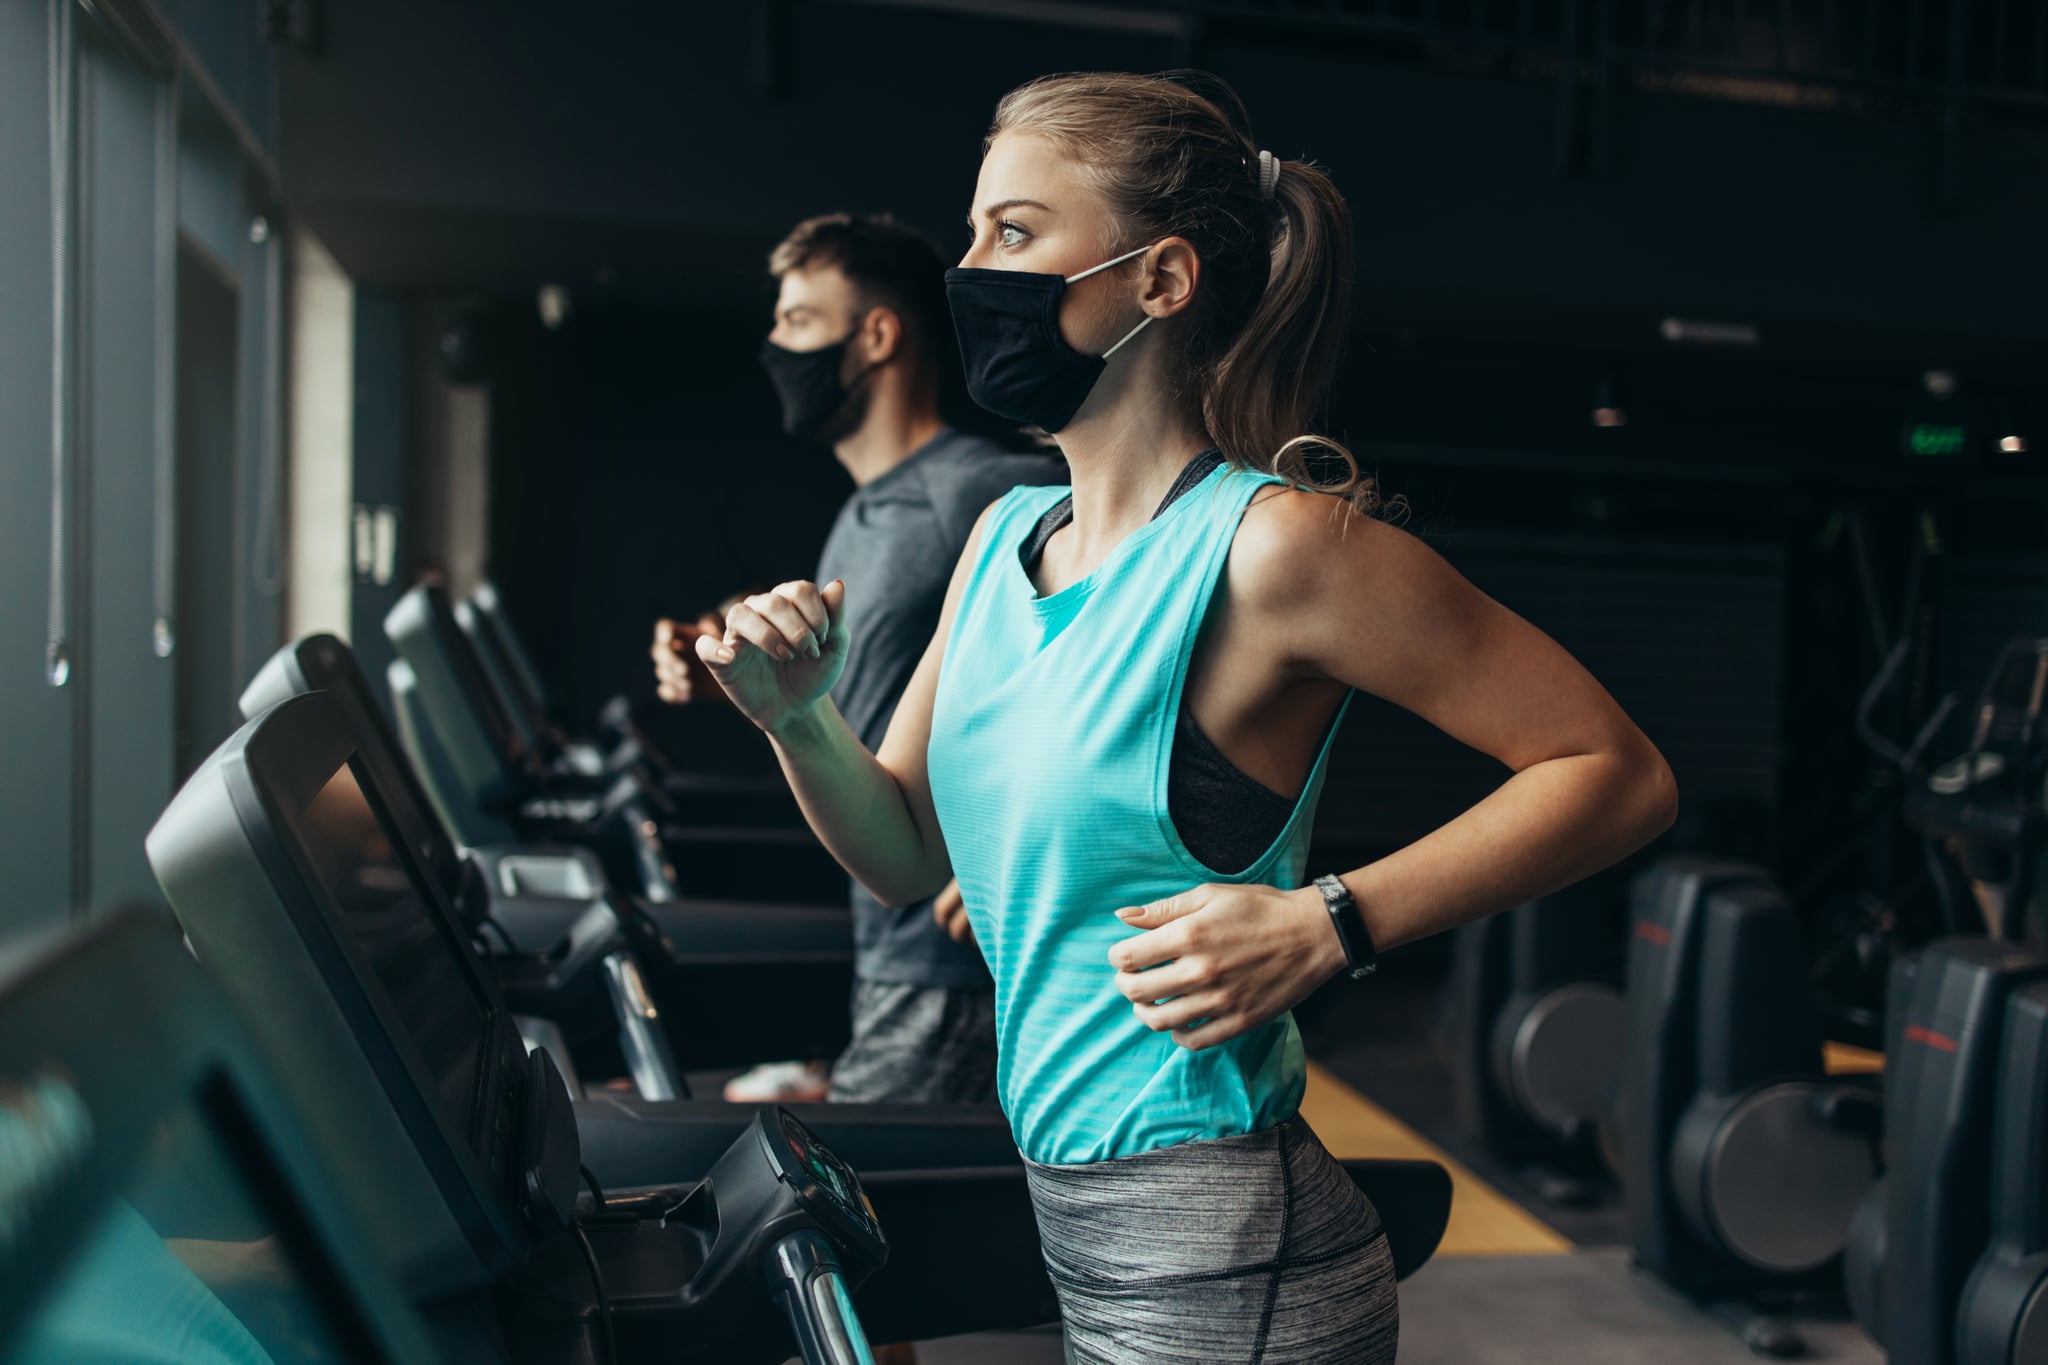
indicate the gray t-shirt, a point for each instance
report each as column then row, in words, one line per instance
column 895, row 543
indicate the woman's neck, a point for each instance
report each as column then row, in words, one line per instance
column 1123, row 459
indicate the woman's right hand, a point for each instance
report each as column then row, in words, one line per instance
column 782, row 651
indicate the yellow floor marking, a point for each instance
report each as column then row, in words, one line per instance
column 1843, row 1059
column 1484, row 1222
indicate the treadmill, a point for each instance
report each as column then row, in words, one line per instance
column 490, row 787
column 654, row 988
column 489, row 766
column 160, row 1199
column 619, row 745
column 281, row 861
column 216, row 852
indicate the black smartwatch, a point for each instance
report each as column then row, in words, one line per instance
column 1359, row 954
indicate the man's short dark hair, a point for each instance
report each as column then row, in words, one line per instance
column 888, row 264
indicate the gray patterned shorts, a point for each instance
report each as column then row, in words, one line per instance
column 918, row 1045
column 1255, row 1249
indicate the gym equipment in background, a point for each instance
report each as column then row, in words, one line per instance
column 1947, row 1257
column 655, row 988
column 158, row 1185
column 1741, row 1163
column 1987, row 808
column 2002, row 1318
column 474, row 757
column 1922, row 1230
column 1860, row 878
column 619, row 745
column 1535, row 1021
column 488, row 785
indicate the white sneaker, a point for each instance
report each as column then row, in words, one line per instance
column 771, row 1082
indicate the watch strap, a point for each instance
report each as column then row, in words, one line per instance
column 1360, row 957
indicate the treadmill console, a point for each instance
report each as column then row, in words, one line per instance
column 777, row 1211
column 547, row 908
column 293, row 884
column 322, row 663
column 287, row 877
column 825, row 1186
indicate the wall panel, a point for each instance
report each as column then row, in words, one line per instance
column 126, row 688
column 35, row 719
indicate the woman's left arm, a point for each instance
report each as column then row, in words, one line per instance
column 1343, row 597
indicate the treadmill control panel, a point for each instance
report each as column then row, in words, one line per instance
column 827, row 1188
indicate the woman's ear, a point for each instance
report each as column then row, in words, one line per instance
column 1176, row 272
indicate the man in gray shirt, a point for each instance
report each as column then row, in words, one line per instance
column 859, row 356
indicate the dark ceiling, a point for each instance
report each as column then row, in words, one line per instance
column 475, row 145
column 652, row 152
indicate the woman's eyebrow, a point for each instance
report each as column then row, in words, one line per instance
column 997, row 210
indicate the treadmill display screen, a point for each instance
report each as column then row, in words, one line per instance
column 834, row 1176
column 415, row 957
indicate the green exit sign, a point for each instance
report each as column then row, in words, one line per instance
column 1935, row 438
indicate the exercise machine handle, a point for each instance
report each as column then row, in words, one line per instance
column 811, row 1287
column 645, row 1047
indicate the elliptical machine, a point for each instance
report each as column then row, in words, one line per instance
column 1949, row 1258
column 1741, row 1163
column 1922, row 1229
column 2002, row 1318
column 1988, row 807
column 1534, row 1018
column 1534, row 1022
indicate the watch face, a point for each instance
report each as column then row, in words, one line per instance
column 1349, row 922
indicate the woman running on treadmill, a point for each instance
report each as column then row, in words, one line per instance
column 1118, row 734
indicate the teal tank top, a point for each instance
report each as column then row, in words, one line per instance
column 1052, row 734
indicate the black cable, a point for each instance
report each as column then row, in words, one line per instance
column 604, row 1303
column 591, row 1180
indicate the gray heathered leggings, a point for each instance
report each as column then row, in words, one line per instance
column 1255, row 1249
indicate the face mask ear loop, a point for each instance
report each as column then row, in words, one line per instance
column 1097, row 270
column 1127, row 336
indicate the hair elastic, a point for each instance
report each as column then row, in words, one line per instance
column 1269, row 173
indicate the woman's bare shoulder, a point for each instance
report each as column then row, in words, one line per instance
column 1294, row 541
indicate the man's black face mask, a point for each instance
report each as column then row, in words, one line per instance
column 808, row 384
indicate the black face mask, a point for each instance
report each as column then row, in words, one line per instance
column 1018, row 365
column 808, row 384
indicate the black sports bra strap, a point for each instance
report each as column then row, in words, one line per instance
column 1062, row 512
